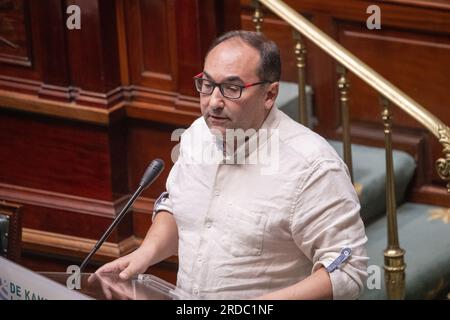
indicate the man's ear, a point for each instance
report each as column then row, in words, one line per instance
column 271, row 95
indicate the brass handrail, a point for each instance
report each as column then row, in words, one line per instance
column 370, row 76
column 394, row 264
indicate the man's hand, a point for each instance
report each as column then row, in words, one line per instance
column 112, row 287
column 160, row 243
column 127, row 266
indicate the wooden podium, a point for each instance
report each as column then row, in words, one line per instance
column 19, row 283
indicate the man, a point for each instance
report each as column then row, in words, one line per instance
column 240, row 231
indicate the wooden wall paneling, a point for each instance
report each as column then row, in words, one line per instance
column 142, row 216
column 65, row 247
column 69, row 225
column 436, row 4
column 228, row 15
column 398, row 14
column 196, row 29
column 93, row 55
column 65, row 110
column 61, row 201
column 118, row 153
column 109, row 45
column 153, row 80
column 151, row 43
column 54, row 155
column 324, row 81
column 198, row 24
column 161, row 84
column 122, row 44
column 53, row 46
column 433, row 194
column 409, row 61
column 148, row 141
column 71, row 178
column 20, row 61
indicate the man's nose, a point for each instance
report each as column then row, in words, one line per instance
column 216, row 99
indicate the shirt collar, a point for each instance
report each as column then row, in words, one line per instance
column 254, row 142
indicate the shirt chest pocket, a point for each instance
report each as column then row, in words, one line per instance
column 244, row 233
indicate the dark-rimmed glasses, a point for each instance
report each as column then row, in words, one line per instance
column 228, row 90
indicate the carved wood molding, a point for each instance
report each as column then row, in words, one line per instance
column 82, row 97
column 61, row 201
column 443, row 164
column 433, row 4
column 162, row 114
column 162, row 106
column 98, row 99
column 56, row 243
column 49, row 242
column 144, row 205
column 18, row 84
column 159, row 106
column 30, row 103
column 69, row 94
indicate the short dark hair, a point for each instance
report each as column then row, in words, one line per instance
column 270, row 64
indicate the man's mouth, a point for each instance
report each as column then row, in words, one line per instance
column 218, row 120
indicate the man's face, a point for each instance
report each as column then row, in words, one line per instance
column 233, row 61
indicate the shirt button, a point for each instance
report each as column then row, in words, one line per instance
column 195, row 291
column 208, row 225
column 258, row 252
column 216, row 193
column 199, row 260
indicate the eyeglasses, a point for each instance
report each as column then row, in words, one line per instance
column 228, row 90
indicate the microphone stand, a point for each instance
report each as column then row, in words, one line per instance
column 152, row 172
column 112, row 226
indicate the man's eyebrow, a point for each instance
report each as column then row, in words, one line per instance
column 233, row 79
column 227, row 79
column 207, row 75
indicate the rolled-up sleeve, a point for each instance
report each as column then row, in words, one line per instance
column 164, row 203
column 325, row 219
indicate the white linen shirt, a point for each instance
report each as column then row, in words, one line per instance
column 246, row 230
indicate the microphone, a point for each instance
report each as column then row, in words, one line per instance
column 154, row 169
